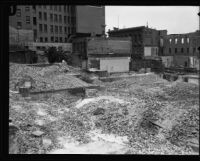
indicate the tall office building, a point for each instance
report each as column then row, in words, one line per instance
column 55, row 23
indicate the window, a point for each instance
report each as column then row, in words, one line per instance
column 55, row 8
column 194, row 42
column 45, row 28
column 175, row 50
column 51, row 17
column 35, row 34
column 64, row 8
column 51, row 28
column 182, row 40
column 40, row 27
column 68, row 30
column 45, row 16
column 60, row 29
column 176, row 40
column 73, row 9
column 34, row 21
column 68, row 20
column 194, row 50
column 187, row 50
column 161, row 42
column 60, row 39
column 40, row 6
column 71, row 20
column 27, row 8
column 19, row 25
column 55, row 18
column 65, row 30
column 41, row 39
column 60, row 8
column 56, row 29
column 45, row 7
column 182, row 50
column 46, row 39
column 65, row 19
column 170, row 50
column 40, row 15
column 67, row 8
column 18, row 12
column 65, row 39
column 52, row 39
column 34, row 7
column 51, row 7
column 56, row 39
column 170, row 41
column 73, row 30
column 60, row 18
column 188, row 40
column 28, row 19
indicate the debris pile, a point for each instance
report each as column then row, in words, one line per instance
column 43, row 78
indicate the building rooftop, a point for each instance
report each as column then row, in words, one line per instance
column 126, row 29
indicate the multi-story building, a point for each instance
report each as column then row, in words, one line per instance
column 181, row 49
column 145, row 41
column 56, row 23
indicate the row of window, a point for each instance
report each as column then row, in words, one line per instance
column 56, row 29
column 182, row 50
column 53, row 39
column 58, row 8
column 182, row 40
column 57, row 18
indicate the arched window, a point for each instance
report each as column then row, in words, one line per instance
column 176, row 40
column 170, row 41
column 188, row 40
column 182, row 40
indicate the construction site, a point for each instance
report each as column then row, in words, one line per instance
column 92, row 95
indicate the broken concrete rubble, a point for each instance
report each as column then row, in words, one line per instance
column 38, row 133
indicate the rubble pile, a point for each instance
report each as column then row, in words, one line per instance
column 75, row 124
column 110, row 117
column 172, row 103
column 157, row 116
column 187, row 127
column 43, row 78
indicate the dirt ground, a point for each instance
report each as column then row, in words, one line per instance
column 138, row 115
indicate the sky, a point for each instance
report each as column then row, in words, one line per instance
column 176, row 19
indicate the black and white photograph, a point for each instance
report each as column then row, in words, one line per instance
column 104, row 79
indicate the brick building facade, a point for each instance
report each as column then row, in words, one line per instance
column 181, row 49
column 181, row 44
column 56, row 23
column 145, row 41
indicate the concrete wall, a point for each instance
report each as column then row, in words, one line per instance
column 167, row 61
column 182, row 61
column 115, row 64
